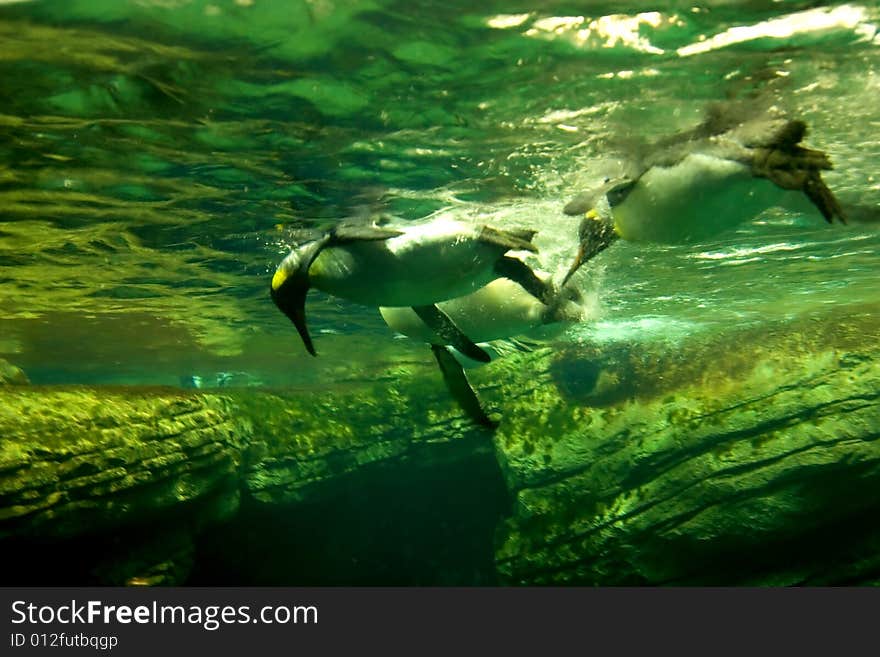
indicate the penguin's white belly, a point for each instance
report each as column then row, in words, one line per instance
column 697, row 198
column 427, row 264
column 501, row 309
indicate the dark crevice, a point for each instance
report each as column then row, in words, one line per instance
column 408, row 521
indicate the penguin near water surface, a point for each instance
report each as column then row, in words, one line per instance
column 699, row 183
column 414, row 266
column 491, row 316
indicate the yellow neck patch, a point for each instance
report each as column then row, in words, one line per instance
column 615, row 216
column 617, row 220
column 279, row 278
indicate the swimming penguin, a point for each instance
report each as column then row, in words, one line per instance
column 496, row 312
column 698, row 183
column 414, row 266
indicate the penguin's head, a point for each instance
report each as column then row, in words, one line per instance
column 595, row 234
column 290, row 284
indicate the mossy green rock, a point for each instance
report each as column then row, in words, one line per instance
column 148, row 469
column 306, row 445
column 11, row 375
column 751, row 458
column 761, row 468
column 83, row 460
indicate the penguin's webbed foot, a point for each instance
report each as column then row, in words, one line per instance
column 802, row 172
column 781, row 158
column 457, row 384
column 823, row 198
column 445, row 329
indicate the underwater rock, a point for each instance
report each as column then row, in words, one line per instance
column 111, row 483
column 12, row 375
column 115, row 485
column 307, row 444
column 75, row 461
column 751, row 459
column 748, row 458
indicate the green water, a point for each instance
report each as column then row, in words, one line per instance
column 157, row 155
column 150, row 149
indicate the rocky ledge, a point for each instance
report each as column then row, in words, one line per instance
column 750, row 459
column 128, row 478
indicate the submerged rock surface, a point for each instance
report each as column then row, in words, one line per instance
column 11, row 375
column 142, row 472
column 135, row 472
column 751, row 459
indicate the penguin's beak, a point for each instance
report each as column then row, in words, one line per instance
column 579, row 260
column 289, row 291
column 595, row 234
column 290, row 284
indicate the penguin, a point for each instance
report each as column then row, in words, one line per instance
column 496, row 311
column 701, row 182
column 414, row 266
column 491, row 316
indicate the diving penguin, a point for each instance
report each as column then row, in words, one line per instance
column 698, row 183
column 414, row 266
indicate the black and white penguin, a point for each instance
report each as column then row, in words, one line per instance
column 499, row 310
column 492, row 316
column 696, row 184
column 414, row 266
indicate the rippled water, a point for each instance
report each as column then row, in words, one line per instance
column 156, row 154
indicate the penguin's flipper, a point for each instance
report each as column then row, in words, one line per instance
column 518, row 240
column 445, row 329
column 457, row 384
column 519, row 272
column 345, row 233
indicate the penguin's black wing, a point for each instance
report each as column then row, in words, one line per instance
column 457, row 384
column 519, row 272
column 346, row 233
column 439, row 322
